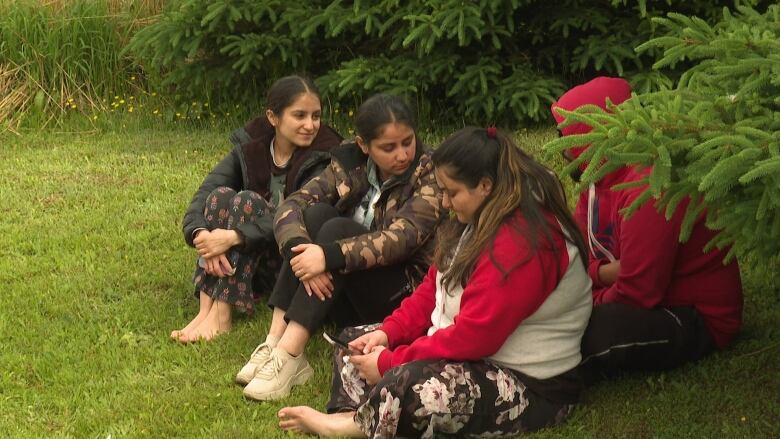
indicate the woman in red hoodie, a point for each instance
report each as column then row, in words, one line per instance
column 657, row 302
column 488, row 344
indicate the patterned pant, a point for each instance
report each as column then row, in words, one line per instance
column 438, row 397
column 226, row 209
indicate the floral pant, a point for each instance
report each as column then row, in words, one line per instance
column 226, row 209
column 438, row 397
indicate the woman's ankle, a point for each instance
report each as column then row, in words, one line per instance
column 206, row 302
column 294, row 339
column 221, row 312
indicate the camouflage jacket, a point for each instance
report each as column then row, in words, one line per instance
column 405, row 216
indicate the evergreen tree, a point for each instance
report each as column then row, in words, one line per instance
column 500, row 61
column 715, row 137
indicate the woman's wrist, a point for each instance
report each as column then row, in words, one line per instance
column 237, row 239
column 334, row 258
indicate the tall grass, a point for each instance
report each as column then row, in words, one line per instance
column 66, row 55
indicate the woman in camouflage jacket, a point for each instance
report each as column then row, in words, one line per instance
column 355, row 240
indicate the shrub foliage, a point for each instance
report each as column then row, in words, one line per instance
column 714, row 137
column 500, row 61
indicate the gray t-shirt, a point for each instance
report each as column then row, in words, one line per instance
column 278, row 178
column 277, row 189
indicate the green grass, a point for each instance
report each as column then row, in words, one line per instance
column 95, row 274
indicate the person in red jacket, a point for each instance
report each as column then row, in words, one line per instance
column 658, row 302
column 489, row 343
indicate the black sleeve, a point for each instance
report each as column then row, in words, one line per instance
column 239, row 136
column 226, row 173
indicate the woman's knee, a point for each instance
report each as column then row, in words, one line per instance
column 220, row 197
column 338, row 228
column 217, row 209
column 246, row 206
column 251, row 198
column 316, row 215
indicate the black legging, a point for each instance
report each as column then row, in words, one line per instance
column 364, row 296
column 622, row 337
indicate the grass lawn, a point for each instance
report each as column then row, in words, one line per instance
column 95, row 274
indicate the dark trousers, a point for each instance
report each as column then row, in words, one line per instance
column 365, row 296
column 226, row 209
column 622, row 337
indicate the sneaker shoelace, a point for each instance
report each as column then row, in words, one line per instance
column 270, row 368
column 255, row 358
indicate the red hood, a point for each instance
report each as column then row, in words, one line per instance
column 593, row 92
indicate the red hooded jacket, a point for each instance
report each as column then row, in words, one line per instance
column 655, row 268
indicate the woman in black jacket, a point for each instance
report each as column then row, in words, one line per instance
column 230, row 218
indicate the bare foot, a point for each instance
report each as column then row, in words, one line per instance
column 217, row 322
column 178, row 333
column 205, row 307
column 303, row 419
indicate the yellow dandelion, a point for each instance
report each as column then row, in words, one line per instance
column 154, row 94
column 155, row 112
column 131, row 98
column 227, row 114
column 206, row 104
column 70, row 99
column 198, row 117
column 116, row 97
column 350, row 113
column 73, row 106
column 178, row 114
column 194, row 104
column 132, row 78
column 121, row 101
column 94, row 117
column 336, row 111
column 130, row 110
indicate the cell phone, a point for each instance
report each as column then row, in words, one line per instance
column 340, row 342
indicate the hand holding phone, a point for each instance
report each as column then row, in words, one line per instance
column 335, row 341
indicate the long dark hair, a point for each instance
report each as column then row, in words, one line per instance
column 519, row 182
column 379, row 110
column 285, row 90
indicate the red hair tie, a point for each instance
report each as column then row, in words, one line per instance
column 491, row 132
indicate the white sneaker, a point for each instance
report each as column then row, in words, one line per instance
column 277, row 375
column 259, row 356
